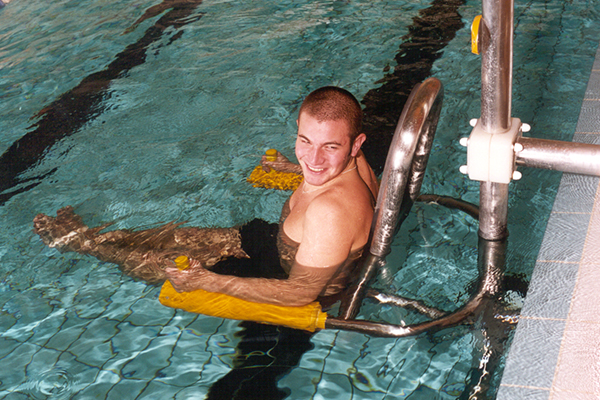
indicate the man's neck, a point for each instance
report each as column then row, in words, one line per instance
column 308, row 188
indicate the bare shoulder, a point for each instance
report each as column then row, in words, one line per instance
column 336, row 223
column 345, row 206
column 350, row 195
column 329, row 205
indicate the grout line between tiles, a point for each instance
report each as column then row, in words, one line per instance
column 571, row 212
column 557, row 261
column 525, row 387
column 541, row 318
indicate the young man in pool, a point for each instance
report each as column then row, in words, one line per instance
column 323, row 229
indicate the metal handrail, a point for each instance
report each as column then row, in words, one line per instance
column 572, row 157
column 400, row 182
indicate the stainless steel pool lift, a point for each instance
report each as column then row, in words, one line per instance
column 495, row 43
column 494, row 149
column 399, row 189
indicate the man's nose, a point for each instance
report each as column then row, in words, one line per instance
column 315, row 156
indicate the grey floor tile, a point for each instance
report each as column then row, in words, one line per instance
column 550, row 291
column 534, row 353
column 576, row 193
column 596, row 66
column 589, row 118
column 564, row 237
column 593, row 89
column 589, row 138
column 521, row 393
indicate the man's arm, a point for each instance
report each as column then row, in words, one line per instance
column 302, row 287
column 325, row 246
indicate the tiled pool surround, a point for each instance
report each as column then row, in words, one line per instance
column 555, row 354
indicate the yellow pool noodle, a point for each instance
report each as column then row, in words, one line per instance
column 309, row 317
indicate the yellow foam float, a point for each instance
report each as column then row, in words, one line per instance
column 309, row 317
column 274, row 179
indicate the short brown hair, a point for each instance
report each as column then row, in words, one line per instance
column 331, row 103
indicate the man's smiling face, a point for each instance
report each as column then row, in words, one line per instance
column 323, row 148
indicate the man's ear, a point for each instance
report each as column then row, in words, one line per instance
column 358, row 142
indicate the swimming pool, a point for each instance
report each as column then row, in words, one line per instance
column 165, row 122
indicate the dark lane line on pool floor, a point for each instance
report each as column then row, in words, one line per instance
column 431, row 31
column 84, row 102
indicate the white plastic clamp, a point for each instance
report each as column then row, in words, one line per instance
column 491, row 156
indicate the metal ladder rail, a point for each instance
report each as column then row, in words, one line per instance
column 400, row 183
column 491, row 262
column 400, row 187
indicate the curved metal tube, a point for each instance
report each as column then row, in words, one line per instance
column 400, row 187
column 405, row 163
column 491, row 265
column 384, row 298
column 400, row 182
column 451, row 202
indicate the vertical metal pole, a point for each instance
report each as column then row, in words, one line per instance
column 493, row 210
column 496, row 66
column 496, row 96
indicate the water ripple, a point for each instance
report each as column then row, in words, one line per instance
column 53, row 384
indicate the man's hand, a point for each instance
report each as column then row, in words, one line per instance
column 188, row 279
column 282, row 164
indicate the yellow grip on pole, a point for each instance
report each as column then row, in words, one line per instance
column 475, row 34
column 182, row 262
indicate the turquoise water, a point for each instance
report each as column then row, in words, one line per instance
column 174, row 138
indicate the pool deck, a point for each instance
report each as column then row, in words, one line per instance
column 555, row 353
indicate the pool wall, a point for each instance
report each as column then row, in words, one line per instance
column 554, row 354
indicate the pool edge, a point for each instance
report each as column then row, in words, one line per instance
column 552, row 355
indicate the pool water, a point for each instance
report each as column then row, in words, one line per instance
column 164, row 120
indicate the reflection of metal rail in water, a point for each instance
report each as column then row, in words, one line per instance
column 400, row 186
